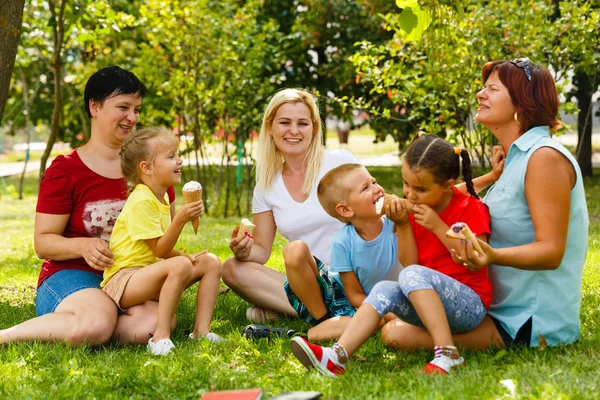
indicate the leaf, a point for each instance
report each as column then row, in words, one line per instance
column 413, row 22
column 407, row 3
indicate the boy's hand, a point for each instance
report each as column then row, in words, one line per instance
column 398, row 210
column 428, row 218
column 189, row 212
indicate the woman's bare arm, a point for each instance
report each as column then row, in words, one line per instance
column 49, row 242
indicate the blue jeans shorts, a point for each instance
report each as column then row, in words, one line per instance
column 62, row 284
column 332, row 293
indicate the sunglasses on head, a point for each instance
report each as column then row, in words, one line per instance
column 525, row 64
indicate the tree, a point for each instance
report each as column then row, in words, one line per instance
column 432, row 82
column 575, row 50
column 11, row 16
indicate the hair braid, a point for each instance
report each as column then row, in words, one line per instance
column 467, row 172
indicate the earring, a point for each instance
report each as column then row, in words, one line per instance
column 517, row 118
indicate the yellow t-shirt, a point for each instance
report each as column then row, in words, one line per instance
column 143, row 217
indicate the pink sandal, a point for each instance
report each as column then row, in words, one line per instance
column 259, row 315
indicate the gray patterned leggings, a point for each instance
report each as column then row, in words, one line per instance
column 463, row 306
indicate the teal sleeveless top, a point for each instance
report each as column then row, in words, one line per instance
column 551, row 298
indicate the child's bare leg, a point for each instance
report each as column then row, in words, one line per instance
column 431, row 311
column 330, row 329
column 167, row 279
column 362, row 326
column 208, row 270
column 302, row 270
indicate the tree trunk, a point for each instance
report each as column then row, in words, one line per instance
column 584, row 122
column 11, row 16
column 57, row 35
column 26, row 103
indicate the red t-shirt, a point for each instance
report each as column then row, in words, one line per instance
column 92, row 201
column 433, row 254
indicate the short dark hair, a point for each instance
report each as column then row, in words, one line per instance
column 536, row 101
column 110, row 82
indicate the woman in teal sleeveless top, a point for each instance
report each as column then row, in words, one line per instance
column 538, row 243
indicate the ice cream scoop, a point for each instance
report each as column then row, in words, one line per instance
column 245, row 227
column 192, row 191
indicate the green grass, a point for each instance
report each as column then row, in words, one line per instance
column 36, row 370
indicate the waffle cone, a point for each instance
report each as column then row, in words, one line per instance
column 387, row 199
column 190, row 197
column 245, row 227
column 466, row 234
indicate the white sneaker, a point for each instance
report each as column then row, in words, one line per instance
column 211, row 337
column 443, row 365
column 160, row 348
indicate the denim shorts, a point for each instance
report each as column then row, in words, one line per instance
column 332, row 293
column 62, row 284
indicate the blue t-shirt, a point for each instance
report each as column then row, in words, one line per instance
column 372, row 261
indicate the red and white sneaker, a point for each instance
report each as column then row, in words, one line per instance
column 442, row 365
column 325, row 359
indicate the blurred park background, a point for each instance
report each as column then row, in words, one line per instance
column 381, row 69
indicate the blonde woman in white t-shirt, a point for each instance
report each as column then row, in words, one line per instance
column 290, row 163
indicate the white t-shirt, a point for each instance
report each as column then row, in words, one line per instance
column 306, row 221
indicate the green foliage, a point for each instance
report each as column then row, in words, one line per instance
column 432, row 83
column 56, row 370
column 211, row 66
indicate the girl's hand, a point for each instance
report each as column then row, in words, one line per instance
column 398, row 210
column 427, row 217
column 194, row 257
column 96, row 254
column 189, row 212
column 242, row 246
column 470, row 258
column 498, row 159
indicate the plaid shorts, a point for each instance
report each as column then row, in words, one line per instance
column 332, row 293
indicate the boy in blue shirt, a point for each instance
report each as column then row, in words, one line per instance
column 365, row 251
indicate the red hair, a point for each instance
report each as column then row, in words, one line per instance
column 536, row 101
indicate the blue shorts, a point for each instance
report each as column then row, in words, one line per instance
column 62, row 284
column 332, row 293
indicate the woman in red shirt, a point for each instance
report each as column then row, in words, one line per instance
column 80, row 197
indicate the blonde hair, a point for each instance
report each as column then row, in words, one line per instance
column 334, row 189
column 269, row 160
column 142, row 145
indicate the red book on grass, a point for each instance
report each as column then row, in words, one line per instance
column 243, row 394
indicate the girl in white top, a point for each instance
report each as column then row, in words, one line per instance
column 290, row 163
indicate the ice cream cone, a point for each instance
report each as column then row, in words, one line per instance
column 382, row 202
column 460, row 230
column 192, row 191
column 245, row 227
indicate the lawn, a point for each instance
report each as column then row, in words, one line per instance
column 36, row 370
